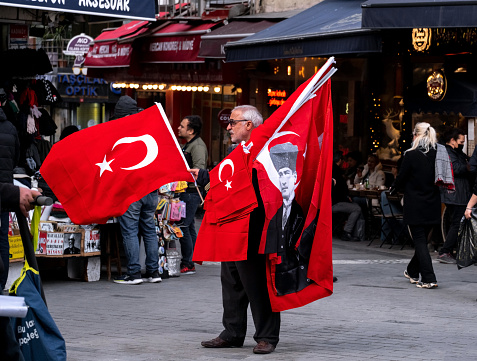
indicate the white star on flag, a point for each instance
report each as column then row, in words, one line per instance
column 105, row 165
column 228, row 184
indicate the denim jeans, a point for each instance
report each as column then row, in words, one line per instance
column 4, row 249
column 139, row 218
column 192, row 201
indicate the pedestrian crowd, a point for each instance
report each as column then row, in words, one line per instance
column 429, row 174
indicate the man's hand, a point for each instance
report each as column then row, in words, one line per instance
column 27, row 197
column 194, row 172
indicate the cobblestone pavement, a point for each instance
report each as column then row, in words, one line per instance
column 374, row 314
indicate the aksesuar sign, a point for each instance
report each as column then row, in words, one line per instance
column 126, row 9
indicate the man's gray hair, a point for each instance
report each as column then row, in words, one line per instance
column 251, row 113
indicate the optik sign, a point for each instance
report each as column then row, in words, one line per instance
column 80, row 86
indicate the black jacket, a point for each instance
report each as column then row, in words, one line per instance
column 462, row 177
column 422, row 203
column 339, row 191
column 9, row 149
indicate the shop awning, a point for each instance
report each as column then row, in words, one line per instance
column 391, row 14
column 175, row 43
column 124, row 9
column 113, row 48
column 332, row 27
column 213, row 44
column 461, row 97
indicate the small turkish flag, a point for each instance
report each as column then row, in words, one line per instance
column 98, row 172
column 224, row 230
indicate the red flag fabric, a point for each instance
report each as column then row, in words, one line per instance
column 223, row 233
column 98, row 172
column 308, row 134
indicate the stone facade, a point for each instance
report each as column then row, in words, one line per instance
column 269, row 6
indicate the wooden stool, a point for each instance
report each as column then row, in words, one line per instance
column 111, row 233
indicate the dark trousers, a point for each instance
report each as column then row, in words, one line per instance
column 9, row 347
column 192, row 201
column 245, row 282
column 421, row 263
column 456, row 213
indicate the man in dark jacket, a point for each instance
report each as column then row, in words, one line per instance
column 341, row 202
column 195, row 152
column 456, row 201
column 9, row 155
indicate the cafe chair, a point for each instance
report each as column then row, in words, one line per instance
column 376, row 218
column 395, row 219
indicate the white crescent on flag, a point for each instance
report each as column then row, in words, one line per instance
column 223, row 164
column 151, row 145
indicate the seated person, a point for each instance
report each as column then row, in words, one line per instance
column 353, row 159
column 341, row 203
column 372, row 172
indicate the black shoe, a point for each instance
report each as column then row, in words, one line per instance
column 335, row 279
column 349, row 237
column 152, row 277
column 129, row 279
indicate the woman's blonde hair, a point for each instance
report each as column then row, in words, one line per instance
column 425, row 137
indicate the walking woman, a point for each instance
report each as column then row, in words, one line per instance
column 422, row 204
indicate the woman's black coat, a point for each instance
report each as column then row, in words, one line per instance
column 422, row 203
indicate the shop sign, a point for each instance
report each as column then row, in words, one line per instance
column 109, row 55
column 171, row 49
column 421, row 38
column 80, row 86
column 18, row 34
column 78, row 45
column 124, row 9
column 436, row 86
column 276, row 97
column 223, row 117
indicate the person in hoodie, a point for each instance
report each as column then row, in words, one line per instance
column 139, row 218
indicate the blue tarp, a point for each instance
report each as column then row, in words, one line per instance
column 393, row 14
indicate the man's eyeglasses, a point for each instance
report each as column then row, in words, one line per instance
column 233, row 122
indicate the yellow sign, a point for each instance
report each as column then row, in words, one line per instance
column 436, row 86
column 421, row 38
column 16, row 247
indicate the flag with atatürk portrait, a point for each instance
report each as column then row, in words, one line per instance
column 292, row 156
column 98, row 172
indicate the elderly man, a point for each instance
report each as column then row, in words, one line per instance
column 244, row 282
column 71, row 249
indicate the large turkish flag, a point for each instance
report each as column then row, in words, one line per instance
column 98, row 172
